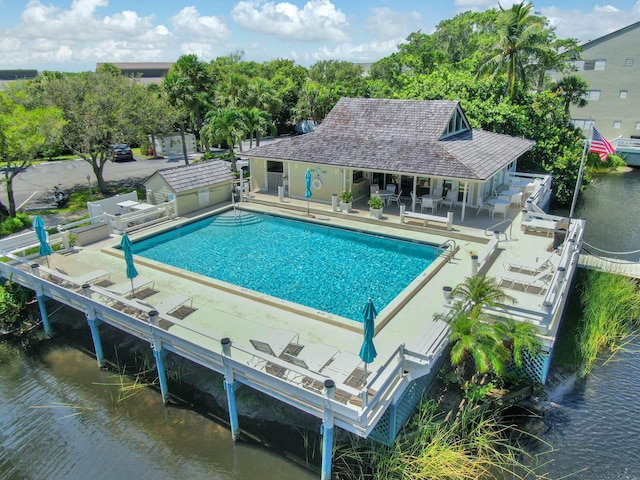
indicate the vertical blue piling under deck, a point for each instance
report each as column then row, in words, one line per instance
column 41, row 302
column 159, row 353
column 327, row 432
column 43, row 314
column 230, row 388
column 94, row 324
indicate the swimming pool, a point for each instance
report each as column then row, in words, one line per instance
column 329, row 269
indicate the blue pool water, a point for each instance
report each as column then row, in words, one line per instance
column 328, row 269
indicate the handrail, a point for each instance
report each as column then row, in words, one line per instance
column 492, row 228
column 451, row 243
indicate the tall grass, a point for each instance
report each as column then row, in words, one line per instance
column 473, row 446
column 611, row 310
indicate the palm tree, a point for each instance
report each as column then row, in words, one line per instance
column 258, row 123
column 572, row 89
column 474, row 338
column 481, row 292
column 179, row 93
column 518, row 337
column 520, row 36
column 225, row 125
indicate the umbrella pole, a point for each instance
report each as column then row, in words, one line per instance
column 133, row 294
column 364, row 380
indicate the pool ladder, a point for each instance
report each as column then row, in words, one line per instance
column 450, row 245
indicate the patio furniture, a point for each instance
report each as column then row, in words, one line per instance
column 277, row 342
column 132, row 286
column 528, row 267
column 394, row 198
column 450, row 199
column 526, row 283
column 374, row 189
column 516, row 199
column 415, row 201
column 427, row 201
column 391, row 187
column 95, row 276
column 483, row 206
column 502, row 208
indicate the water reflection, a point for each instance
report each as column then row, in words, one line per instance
column 62, row 418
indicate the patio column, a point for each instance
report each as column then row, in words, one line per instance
column 327, row 431
column 465, row 185
column 159, row 353
column 41, row 301
column 230, row 387
column 94, row 325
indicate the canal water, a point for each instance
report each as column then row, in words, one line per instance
column 61, row 417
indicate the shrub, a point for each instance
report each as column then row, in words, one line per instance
column 346, row 196
column 14, row 224
column 375, row 202
column 13, row 302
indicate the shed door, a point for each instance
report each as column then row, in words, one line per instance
column 203, row 197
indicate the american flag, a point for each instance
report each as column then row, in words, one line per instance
column 600, row 145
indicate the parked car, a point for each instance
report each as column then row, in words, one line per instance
column 122, row 153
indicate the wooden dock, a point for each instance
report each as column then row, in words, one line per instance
column 610, row 265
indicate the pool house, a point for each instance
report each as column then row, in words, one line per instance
column 422, row 148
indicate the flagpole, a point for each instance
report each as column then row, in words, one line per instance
column 579, row 179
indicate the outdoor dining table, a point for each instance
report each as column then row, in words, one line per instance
column 496, row 201
column 385, row 195
column 510, row 192
column 519, row 184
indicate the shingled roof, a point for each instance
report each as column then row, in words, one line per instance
column 196, row 175
column 399, row 136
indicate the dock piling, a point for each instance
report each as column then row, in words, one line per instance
column 94, row 325
column 159, row 353
column 327, row 431
column 230, row 388
column 41, row 302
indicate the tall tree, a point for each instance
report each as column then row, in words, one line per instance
column 225, row 125
column 23, row 133
column 520, row 36
column 101, row 109
column 197, row 82
column 179, row 94
column 518, row 337
column 573, row 90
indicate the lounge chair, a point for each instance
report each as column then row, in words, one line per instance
column 343, row 367
column 530, row 267
column 95, row 276
column 139, row 283
column 277, row 342
column 169, row 305
column 526, row 283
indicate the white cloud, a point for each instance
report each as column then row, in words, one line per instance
column 362, row 53
column 602, row 20
column 318, row 20
column 189, row 21
column 385, row 23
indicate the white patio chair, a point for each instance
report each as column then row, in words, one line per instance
column 526, row 283
column 450, row 198
column 391, row 187
column 502, row 208
column 516, row 200
column 483, row 206
column 374, row 189
column 415, row 201
column 395, row 198
column 428, row 203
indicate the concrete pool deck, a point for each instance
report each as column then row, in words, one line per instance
column 242, row 316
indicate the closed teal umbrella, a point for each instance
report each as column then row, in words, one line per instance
column 127, row 248
column 368, row 351
column 41, row 233
column 308, row 193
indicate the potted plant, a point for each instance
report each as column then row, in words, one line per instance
column 375, row 207
column 346, row 199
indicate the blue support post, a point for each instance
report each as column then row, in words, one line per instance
column 94, row 324
column 41, row 302
column 230, row 387
column 159, row 353
column 327, row 431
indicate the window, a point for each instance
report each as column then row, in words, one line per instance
column 579, row 65
column 628, row 62
column 637, row 125
column 592, row 95
column 623, row 93
column 600, row 64
column 617, row 124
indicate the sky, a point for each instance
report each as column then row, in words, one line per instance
column 74, row 35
